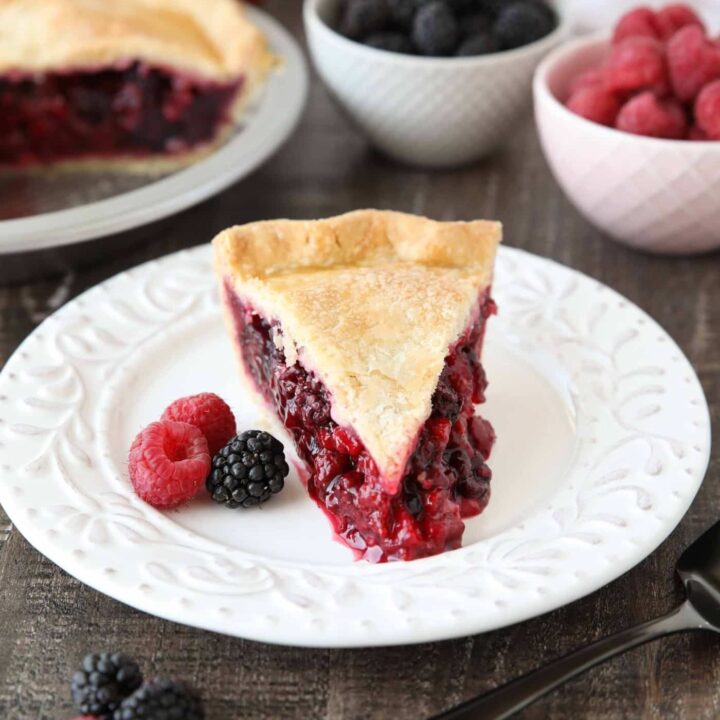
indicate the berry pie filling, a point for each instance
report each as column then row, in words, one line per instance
column 134, row 110
column 446, row 477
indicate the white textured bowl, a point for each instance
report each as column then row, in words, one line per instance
column 434, row 112
column 661, row 196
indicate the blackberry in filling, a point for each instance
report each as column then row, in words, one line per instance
column 446, row 477
column 135, row 110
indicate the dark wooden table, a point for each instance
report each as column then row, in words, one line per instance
column 48, row 620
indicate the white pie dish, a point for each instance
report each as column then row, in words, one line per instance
column 433, row 112
column 610, row 419
column 43, row 210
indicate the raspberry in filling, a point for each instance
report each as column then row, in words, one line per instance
column 446, row 477
column 135, row 110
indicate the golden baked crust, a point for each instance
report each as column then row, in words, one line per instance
column 210, row 38
column 371, row 302
column 364, row 237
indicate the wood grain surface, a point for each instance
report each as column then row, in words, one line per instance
column 48, row 620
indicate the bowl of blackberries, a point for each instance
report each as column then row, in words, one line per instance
column 433, row 83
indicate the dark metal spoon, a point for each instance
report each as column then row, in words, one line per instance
column 699, row 569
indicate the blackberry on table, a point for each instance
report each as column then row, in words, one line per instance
column 161, row 699
column 392, row 42
column 521, row 23
column 248, row 470
column 364, row 17
column 480, row 44
column 102, row 683
column 435, row 30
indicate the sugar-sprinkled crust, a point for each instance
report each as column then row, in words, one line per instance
column 364, row 237
column 371, row 301
column 210, row 38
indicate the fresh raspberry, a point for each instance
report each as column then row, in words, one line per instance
column 168, row 463
column 596, row 104
column 707, row 110
column 698, row 135
column 636, row 64
column 641, row 22
column 590, row 78
column 675, row 17
column 208, row 412
column 693, row 60
column 647, row 115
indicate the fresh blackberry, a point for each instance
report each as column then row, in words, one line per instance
column 461, row 6
column 248, row 470
column 546, row 9
column 103, row 682
column 161, row 699
column 402, row 12
column 521, row 23
column 490, row 8
column 392, row 42
column 475, row 24
column 364, row 17
column 480, row 44
column 435, row 30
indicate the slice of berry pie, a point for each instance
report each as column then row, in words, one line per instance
column 363, row 333
column 141, row 84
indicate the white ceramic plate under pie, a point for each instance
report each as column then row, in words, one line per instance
column 604, row 438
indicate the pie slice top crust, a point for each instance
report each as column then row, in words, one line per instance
column 211, row 39
column 370, row 302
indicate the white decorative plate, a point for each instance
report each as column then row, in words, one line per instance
column 48, row 210
column 604, row 438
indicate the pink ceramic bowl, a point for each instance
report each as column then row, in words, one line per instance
column 662, row 196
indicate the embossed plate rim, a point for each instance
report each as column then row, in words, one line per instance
column 630, row 485
column 268, row 123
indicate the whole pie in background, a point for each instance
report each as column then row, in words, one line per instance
column 363, row 333
column 139, row 84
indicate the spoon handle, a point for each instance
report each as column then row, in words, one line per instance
column 508, row 699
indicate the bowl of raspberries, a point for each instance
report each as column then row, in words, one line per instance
column 630, row 125
column 432, row 83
